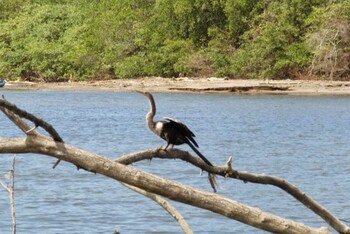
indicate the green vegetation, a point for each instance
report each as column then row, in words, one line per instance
column 58, row 40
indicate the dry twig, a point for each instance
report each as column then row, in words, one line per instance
column 11, row 191
column 163, row 203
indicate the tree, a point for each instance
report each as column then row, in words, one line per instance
column 273, row 46
column 329, row 41
column 53, row 145
column 46, row 47
column 60, row 40
column 8, row 7
column 239, row 14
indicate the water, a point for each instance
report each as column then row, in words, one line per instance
column 302, row 139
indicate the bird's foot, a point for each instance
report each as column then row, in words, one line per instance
column 166, row 147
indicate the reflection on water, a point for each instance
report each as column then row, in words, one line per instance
column 302, row 139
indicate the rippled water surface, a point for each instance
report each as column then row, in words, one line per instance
column 302, row 139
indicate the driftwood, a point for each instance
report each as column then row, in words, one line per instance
column 118, row 170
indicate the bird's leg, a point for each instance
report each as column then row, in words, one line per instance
column 167, row 145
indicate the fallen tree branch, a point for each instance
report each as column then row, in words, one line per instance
column 14, row 114
column 36, row 143
column 155, row 184
column 227, row 171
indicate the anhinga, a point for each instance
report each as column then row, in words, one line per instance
column 172, row 131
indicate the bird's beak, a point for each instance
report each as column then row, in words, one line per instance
column 142, row 92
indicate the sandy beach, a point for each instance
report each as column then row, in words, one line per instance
column 207, row 85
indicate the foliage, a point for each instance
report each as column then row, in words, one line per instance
column 47, row 46
column 273, row 47
column 9, row 7
column 239, row 14
column 60, row 40
column 329, row 41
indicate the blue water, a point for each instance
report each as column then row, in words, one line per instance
column 300, row 138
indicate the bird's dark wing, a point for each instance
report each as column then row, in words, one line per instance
column 185, row 131
column 181, row 126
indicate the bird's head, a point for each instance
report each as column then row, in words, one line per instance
column 152, row 111
column 147, row 94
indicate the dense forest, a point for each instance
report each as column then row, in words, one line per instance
column 59, row 40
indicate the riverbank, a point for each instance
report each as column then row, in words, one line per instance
column 207, row 85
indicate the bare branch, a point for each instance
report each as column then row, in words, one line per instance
column 4, row 104
column 164, row 154
column 15, row 114
column 163, row 203
column 212, row 181
column 36, row 143
column 227, row 171
column 155, row 184
column 18, row 121
column 12, row 196
column 56, row 163
column 6, row 187
column 11, row 191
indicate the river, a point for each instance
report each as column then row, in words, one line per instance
column 304, row 139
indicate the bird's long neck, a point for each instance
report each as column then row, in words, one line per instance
column 149, row 117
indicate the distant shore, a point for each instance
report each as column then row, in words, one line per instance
column 200, row 85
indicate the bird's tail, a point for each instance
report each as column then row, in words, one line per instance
column 211, row 177
column 199, row 153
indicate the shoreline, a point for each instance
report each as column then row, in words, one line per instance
column 195, row 85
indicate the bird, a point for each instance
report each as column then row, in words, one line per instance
column 171, row 130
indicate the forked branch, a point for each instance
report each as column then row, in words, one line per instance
column 155, row 184
column 36, row 143
column 15, row 114
column 228, row 172
column 12, row 108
